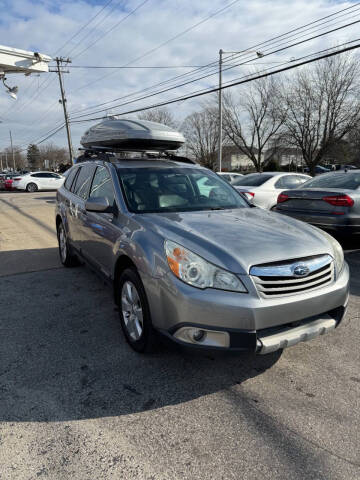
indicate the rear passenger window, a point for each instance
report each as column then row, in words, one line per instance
column 70, row 177
column 290, row 181
column 82, row 182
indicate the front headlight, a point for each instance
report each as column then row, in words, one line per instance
column 338, row 252
column 194, row 270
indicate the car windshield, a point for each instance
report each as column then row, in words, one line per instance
column 252, row 180
column 349, row 181
column 159, row 189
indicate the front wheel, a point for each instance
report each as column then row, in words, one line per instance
column 134, row 312
column 66, row 258
column 31, row 187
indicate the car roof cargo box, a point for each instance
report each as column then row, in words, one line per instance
column 135, row 135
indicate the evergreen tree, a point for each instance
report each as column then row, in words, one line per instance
column 33, row 157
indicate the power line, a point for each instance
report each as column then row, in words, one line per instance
column 259, row 45
column 42, row 86
column 213, row 90
column 94, row 27
column 84, row 26
column 244, row 52
column 40, row 139
column 138, row 67
column 112, row 28
column 207, row 75
column 232, row 84
column 214, row 65
column 164, row 43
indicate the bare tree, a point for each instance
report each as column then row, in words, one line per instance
column 8, row 160
column 159, row 115
column 53, row 154
column 322, row 106
column 201, row 133
column 252, row 122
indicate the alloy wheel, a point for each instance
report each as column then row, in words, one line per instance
column 62, row 243
column 132, row 310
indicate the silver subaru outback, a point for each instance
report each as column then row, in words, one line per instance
column 190, row 259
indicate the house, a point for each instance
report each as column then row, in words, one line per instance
column 285, row 156
column 233, row 159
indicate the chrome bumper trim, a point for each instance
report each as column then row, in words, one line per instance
column 293, row 335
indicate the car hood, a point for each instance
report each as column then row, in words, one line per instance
column 237, row 239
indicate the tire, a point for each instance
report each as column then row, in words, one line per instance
column 66, row 258
column 31, row 187
column 134, row 312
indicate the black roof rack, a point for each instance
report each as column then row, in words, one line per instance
column 115, row 154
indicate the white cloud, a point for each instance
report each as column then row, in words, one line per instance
column 46, row 25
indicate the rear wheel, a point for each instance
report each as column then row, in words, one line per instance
column 134, row 312
column 31, row 187
column 66, row 258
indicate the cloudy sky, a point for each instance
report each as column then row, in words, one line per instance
column 162, row 33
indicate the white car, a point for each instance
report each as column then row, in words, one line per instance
column 34, row 181
column 230, row 176
column 262, row 189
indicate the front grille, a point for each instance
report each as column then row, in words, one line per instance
column 279, row 280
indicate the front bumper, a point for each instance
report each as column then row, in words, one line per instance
column 267, row 340
column 246, row 317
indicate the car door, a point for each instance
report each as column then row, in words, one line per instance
column 100, row 231
column 77, row 213
column 40, row 179
column 55, row 181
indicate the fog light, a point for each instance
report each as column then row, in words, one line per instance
column 203, row 337
column 198, row 335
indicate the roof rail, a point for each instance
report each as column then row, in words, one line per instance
column 115, row 154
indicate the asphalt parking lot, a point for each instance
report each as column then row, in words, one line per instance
column 77, row 403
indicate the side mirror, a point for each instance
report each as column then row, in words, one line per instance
column 99, row 205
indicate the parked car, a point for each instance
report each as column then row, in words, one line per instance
column 319, row 169
column 6, row 181
column 339, row 166
column 262, row 189
column 330, row 201
column 347, row 167
column 34, row 181
column 230, row 177
column 205, row 271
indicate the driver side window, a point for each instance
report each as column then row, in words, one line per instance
column 102, row 185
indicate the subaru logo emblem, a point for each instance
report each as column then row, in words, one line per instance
column 301, row 270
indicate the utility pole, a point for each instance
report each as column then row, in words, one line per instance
column 1, row 158
column 220, row 109
column 7, row 165
column 12, row 150
column 59, row 62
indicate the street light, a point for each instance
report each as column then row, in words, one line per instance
column 221, row 52
column 12, row 91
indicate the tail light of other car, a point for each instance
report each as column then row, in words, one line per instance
column 339, row 200
column 282, row 198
